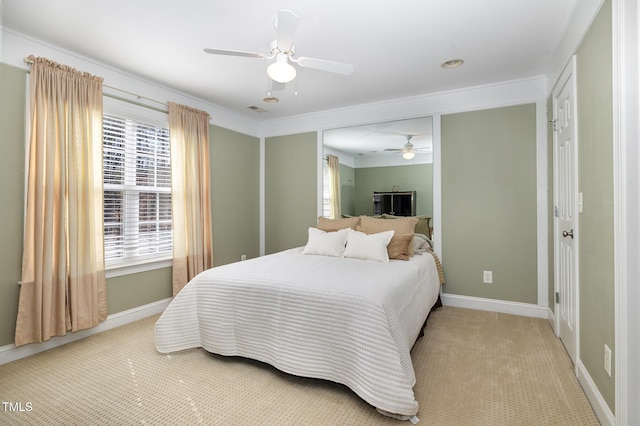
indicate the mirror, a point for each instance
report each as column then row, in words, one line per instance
column 393, row 156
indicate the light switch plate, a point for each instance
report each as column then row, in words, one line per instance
column 580, row 203
column 607, row 360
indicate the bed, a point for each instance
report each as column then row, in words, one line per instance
column 348, row 320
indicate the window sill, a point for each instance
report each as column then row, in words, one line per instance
column 128, row 269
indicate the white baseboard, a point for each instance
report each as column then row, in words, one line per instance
column 493, row 305
column 552, row 320
column 599, row 405
column 10, row 352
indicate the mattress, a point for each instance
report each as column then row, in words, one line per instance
column 346, row 320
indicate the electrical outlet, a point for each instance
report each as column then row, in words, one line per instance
column 607, row 360
column 487, row 277
column 243, row 257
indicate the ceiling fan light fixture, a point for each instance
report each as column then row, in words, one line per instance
column 408, row 155
column 281, row 70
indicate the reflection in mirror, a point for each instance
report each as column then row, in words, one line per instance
column 393, row 157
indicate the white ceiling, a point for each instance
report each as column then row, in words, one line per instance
column 396, row 47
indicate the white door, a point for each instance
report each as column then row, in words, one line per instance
column 565, row 211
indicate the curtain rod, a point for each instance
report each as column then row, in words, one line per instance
column 131, row 101
column 120, row 98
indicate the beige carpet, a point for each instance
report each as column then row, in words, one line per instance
column 472, row 368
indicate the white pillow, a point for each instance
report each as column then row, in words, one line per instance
column 368, row 246
column 326, row 243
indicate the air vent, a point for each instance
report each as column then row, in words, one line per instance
column 256, row 108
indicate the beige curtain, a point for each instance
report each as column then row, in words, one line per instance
column 334, row 186
column 190, row 192
column 63, row 279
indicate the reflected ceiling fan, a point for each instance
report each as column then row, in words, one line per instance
column 283, row 50
column 408, row 150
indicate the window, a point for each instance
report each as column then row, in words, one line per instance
column 137, row 192
column 326, row 189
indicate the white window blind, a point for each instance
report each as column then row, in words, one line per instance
column 326, row 191
column 137, row 192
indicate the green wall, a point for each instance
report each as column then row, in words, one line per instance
column 131, row 291
column 291, row 181
column 414, row 177
column 12, row 160
column 489, row 203
column 235, row 200
column 235, row 209
column 595, row 181
column 347, row 190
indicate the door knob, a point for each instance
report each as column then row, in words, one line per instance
column 567, row 234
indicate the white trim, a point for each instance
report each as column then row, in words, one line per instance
column 507, row 93
column 542, row 203
column 319, row 168
column 393, row 160
column 118, row 271
column 124, row 109
column 344, row 158
column 599, row 405
column 577, row 190
column 17, row 45
column 551, row 316
column 436, row 121
column 493, row 305
column 584, row 14
column 11, row 353
column 626, row 155
column 262, row 197
column 569, row 72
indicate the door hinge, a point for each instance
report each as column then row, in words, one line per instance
column 554, row 124
column 557, row 297
column 556, row 211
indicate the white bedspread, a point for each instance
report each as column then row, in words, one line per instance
column 346, row 320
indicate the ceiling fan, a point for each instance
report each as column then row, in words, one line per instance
column 283, row 50
column 408, row 150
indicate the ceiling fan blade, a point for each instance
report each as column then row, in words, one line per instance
column 324, row 65
column 286, row 26
column 235, row 53
column 394, row 149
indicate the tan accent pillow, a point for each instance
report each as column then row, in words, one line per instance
column 400, row 247
column 401, row 225
column 335, row 224
column 422, row 227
